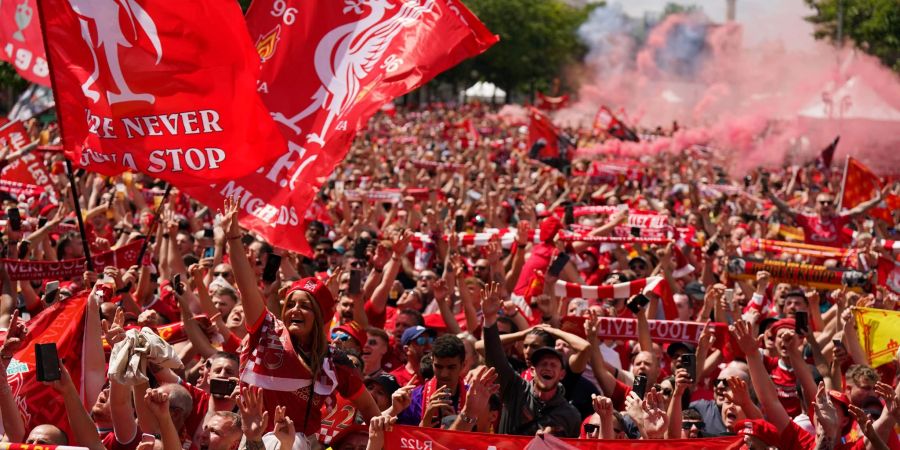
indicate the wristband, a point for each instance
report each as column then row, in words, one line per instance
column 466, row 419
column 521, row 246
column 378, row 269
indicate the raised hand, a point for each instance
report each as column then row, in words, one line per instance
column 740, row 392
column 602, row 406
column 401, row 398
column 522, row 231
column 656, row 420
column 284, row 428
column 381, row 257
column 230, row 219
column 891, row 399
column 401, row 242
column 377, row 427
column 14, row 337
column 114, row 332
column 157, row 402
column 490, row 303
column 591, row 327
column 826, row 414
column 745, row 339
column 483, row 384
column 254, row 419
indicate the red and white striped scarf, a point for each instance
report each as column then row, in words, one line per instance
column 655, row 285
column 795, row 248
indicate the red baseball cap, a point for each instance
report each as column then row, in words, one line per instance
column 549, row 227
column 319, row 292
column 354, row 330
column 758, row 428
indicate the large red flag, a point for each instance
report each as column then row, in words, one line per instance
column 861, row 185
column 607, row 121
column 63, row 324
column 164, row 88
column 543, row 137
column 21, row 43
column 327, row 66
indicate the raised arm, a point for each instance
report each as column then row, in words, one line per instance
column 83, row 428
column 782, row 205
column 494, row 355
column 251, row 298
column 762, row 381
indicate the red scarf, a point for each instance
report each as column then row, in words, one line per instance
column 431, row 385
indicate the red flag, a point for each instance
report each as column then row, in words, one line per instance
column 327, row 67
column 861, row 185
column 608, row 122
column 889, row 274
column 153, row 87
column 21, row 43
column 63, row 324
column 13, row 135
column 823, row 162
column 543, row 137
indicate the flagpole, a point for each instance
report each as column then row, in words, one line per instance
column 78, row 217
column 153, row 224
column 843, row 183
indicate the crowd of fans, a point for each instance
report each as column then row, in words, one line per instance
column 397, row 318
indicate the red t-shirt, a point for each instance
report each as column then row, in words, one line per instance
column 111, row 443
column 822, row 232
column 270, row 361
column 198, row 413
column 795, row 438
column 786, row 387
column 402, row 375
column 384, row 320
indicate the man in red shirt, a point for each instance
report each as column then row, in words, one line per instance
column 824, row 227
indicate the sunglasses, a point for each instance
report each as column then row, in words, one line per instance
column 590, row 428
column 338, row 336
column 222, row 274
column 357, row 264
column 689, row 425
column 427, row 278
column 481, row 268
column 721, row 382
column 826, row 203
column 422, row 340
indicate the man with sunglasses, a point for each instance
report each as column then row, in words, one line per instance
column 416, row 342
column 711, row 410
column 824, row 227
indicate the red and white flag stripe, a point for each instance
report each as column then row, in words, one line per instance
column 618, row 291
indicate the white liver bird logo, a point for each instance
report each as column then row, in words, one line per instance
column 105, row 16
column 348, row 53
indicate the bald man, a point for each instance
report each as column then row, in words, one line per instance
column 47, row 435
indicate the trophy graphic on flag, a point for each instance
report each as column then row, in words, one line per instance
column 23, row 19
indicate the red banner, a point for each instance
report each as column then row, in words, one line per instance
column 16, row 188
column 619, row 329
column 153, row 87
column 419, row 438
column 542, row 130
column 122, row 257
column 21, row 43
column 14, row 135
column 328, row 66
column 28, row 170
column 61, row 323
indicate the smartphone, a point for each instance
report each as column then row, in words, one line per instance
column 713, row 248
column 355, row 282
column 270, row 272
column 747, row 181
column 47, row 362
column 764, row 183
column 569, row 217
column 636, row 231
column 558, row 264
column 689, row 363
column 637, row 302
column 51, row 292
column 208, row 233
column 837, row 343
column 458, row 224
column 15, row 219
column 209, row 252
column 801, row 323
column 42, row 221
column 640, row 386
column 23, row 249
column 221, row 387
column 177, row 285
column 359, row 249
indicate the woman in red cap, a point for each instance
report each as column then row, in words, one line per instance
column 288, row 357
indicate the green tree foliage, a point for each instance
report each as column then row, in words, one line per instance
column 873, row 25
column 11, row 85
column 538, row 41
